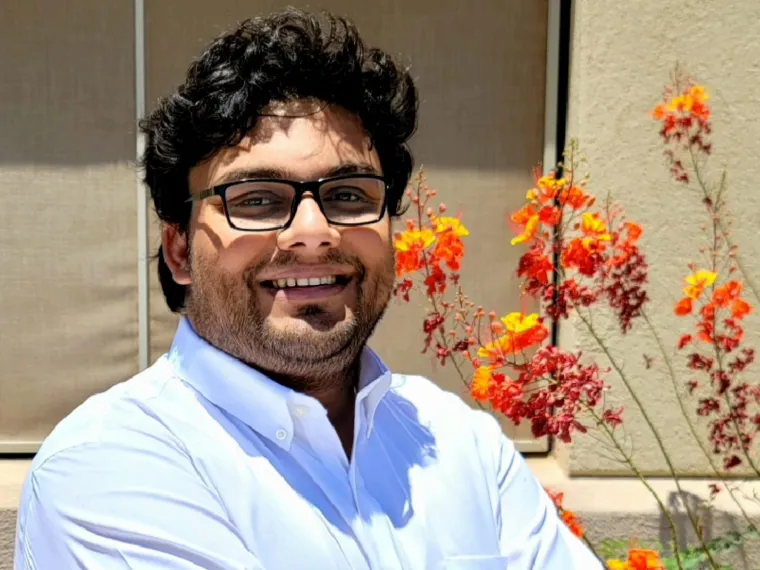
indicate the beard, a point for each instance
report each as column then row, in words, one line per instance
column 314, row 350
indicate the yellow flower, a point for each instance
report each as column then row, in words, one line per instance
column 453, row 224
column 617, row 564
column 531, row 227
column 409, row 240
column 519, row 322
column 593, row 225
column 698, row 282
column 686, row 102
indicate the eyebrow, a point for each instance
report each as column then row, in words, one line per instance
column 280, row 174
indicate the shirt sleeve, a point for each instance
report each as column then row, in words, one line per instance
column 531, row 533
column 139, row 505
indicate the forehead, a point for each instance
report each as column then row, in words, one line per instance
column 302, row 143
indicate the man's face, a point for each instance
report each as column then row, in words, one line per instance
column 236, row 298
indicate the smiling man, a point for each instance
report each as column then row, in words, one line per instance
column 270, row 436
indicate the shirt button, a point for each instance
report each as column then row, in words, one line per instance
column 281, row 434
column 301, row 411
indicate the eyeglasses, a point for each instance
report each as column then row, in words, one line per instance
column 264, row 204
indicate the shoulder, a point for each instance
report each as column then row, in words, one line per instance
column 122, row 416
column 123, row 445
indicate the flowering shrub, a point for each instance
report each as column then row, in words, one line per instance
column 583, row 255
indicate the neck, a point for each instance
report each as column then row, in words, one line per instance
column 336, row 392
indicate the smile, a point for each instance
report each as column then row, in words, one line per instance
column 304, row 282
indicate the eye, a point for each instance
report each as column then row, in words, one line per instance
column 346, row 194
column 255, row 200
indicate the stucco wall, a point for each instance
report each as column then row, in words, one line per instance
column 622, row 54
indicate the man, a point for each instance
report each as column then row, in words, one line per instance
column 270, row 436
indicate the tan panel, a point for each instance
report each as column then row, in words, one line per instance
column 68, row 284
column 481, row 79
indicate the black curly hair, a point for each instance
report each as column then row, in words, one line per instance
column 289, row 55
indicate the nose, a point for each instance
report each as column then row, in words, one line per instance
column 309, row 232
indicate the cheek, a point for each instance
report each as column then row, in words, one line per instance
column 372, row 245
column 230, row 250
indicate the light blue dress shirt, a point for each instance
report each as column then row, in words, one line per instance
column 200, row 462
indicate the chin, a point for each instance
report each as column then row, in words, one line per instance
column 311, row 322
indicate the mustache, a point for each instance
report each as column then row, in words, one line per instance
column 285, row 259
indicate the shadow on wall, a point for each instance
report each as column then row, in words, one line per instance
column 714, row 524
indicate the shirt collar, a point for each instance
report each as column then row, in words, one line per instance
column 254, row 398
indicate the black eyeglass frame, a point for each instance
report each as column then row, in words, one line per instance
column 300, row 188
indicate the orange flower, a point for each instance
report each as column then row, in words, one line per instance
column 535, row 266
column 722, row 296
column 583, row 254
column 634, row 231
column 684, row 307
column 521, row 332
column 641, row 559
column 625, row 248
column 481, row 384
column 568, row 517
column 691, row 102
column 698, row 282
column 409, row 246
column 575, row 198
column 546, row 190
column 638, row 559
column 550, row 215
column 449, row 250
column 528, row 219
column 573, row 523
column 740, row 309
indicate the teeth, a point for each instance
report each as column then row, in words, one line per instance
column 309, row 282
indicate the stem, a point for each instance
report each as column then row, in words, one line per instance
column 655, row 433
column 431, row 298
column 671, row 372
column 745, row 450
column 639, row 475
column 713, row 209
column 723, row 230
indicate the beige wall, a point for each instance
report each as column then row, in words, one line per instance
column 622, row 54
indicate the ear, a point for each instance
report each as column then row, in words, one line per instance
column 176, row 252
